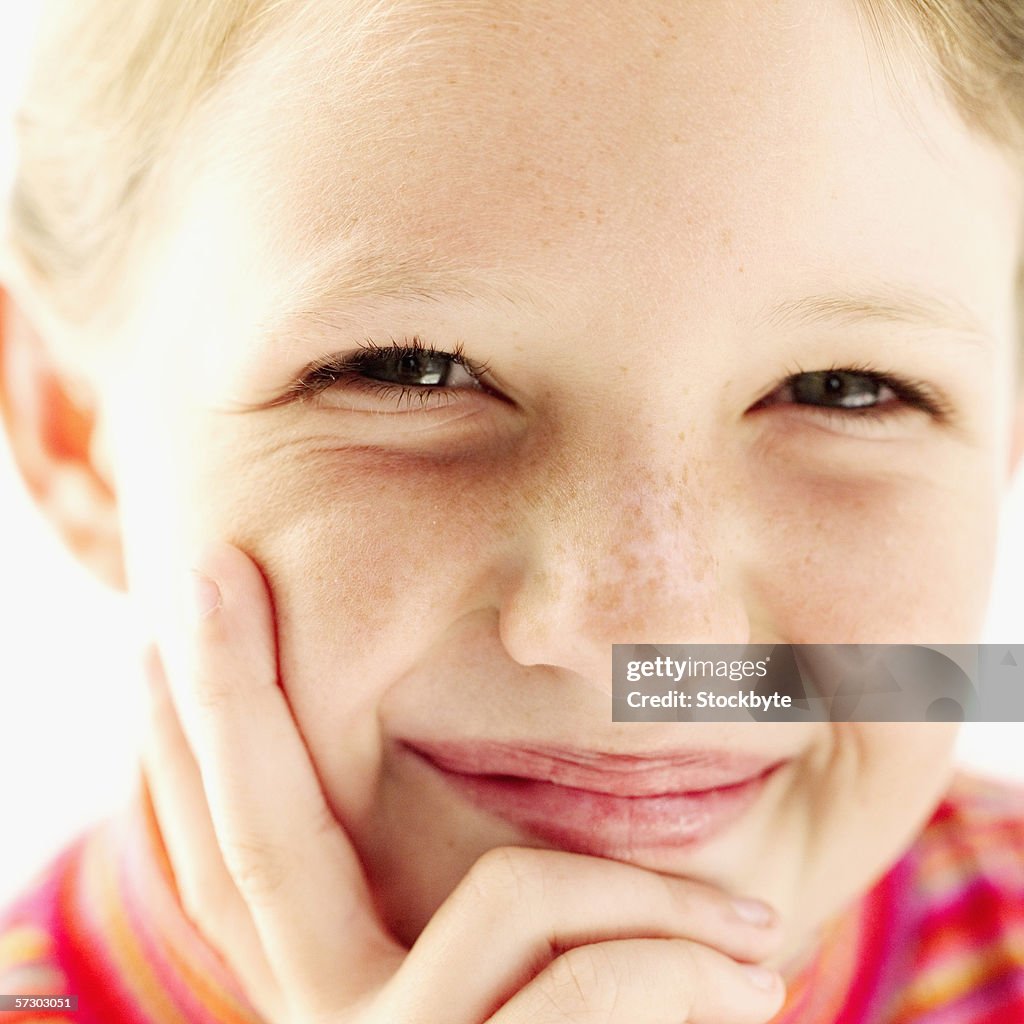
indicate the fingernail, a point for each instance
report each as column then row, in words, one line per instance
column 760, row 977
column 206, row 598
column 753, row 911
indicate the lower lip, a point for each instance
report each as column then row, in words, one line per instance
column 600, row 824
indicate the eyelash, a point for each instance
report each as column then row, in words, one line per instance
column 335, row 370
column 344, row 370
column 911, row 394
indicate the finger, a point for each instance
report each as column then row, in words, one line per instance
column 646, row 981
column 291, row 861
column 208, row 894
column 517, row 908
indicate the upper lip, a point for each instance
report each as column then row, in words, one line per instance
column 690, row 770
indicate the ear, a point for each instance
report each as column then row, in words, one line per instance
column 53, row 428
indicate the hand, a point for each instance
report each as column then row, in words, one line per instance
column 274, row 883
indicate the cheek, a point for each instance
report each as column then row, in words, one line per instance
column 369, row 558
column 894, row 558
column 370, row 564
column 371, row 554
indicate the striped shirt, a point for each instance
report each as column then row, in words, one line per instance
column 939, row 939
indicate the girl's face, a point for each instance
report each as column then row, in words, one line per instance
column 644, row 219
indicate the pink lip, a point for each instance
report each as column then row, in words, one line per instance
column 598, row 803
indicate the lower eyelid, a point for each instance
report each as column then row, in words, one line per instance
column 897, row 424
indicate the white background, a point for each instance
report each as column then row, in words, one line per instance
column 70, row 691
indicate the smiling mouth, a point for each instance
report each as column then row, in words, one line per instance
column 602, row 804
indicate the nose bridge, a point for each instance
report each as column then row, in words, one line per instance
column 622, row 551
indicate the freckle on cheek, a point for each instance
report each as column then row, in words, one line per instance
column 400, row 534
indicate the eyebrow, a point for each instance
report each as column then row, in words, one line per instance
column 893, row 304
column 366, row 277
column 364, row 272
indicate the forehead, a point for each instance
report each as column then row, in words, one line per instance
column 571, row 142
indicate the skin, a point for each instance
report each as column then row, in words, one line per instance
column 461, row 571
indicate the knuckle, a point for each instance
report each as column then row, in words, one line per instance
column 211, row 694
column 585, row 984
column 259, row 868
column 507, row 876
column 687, row 962
column 681, row 894
column 688, row 965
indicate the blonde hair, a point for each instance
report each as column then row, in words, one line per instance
column 115, row 81
column 112, row 83
column 977, row 49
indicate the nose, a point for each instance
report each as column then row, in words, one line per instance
column 635, row 554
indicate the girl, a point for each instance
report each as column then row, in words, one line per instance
column 398, row 357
